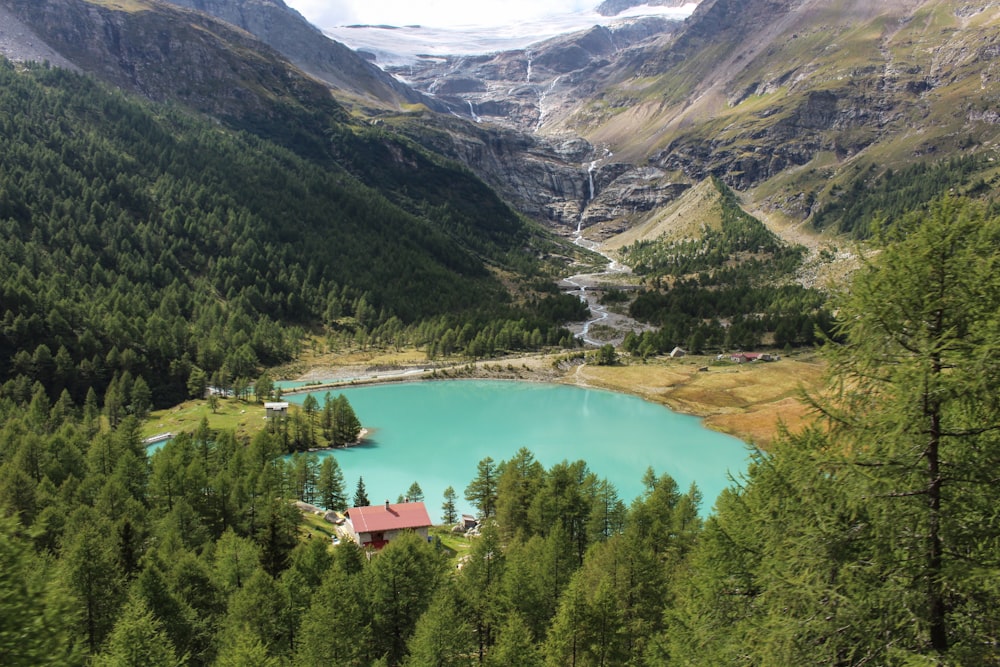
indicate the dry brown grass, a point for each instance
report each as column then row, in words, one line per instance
column 749, row 401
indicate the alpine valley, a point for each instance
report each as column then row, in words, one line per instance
column 200, row 197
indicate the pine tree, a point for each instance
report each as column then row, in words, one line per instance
column 514, row 646
column 449, row 513
column 346, row 426
column 401, row 581
column 331, row 485
column 442, row 635
column 360, row 494
column 35, row 616
column 138, row 640
column 482, row 491
column 520, row 480
column 415, row 494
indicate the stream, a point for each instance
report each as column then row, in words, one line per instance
column 584, row 287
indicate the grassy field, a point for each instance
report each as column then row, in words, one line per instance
column 231, row 414
column 749, row 401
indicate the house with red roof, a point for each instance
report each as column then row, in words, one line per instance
column 377, row 525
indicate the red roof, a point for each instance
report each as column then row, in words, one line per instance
column 382, row 518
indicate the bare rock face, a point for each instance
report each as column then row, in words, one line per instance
column 18, row 42
column 545, row 179
column 630, row 191
column 531, row 89
column 562, row 180
column 172, row 54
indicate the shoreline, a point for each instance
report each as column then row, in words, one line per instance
column 752, row 402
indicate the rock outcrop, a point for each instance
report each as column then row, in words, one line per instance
column 536, row 88
column 286, row 31
column 164, row 52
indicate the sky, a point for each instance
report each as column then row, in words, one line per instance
column 433, row 13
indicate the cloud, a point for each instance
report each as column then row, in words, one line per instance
column 434, row 13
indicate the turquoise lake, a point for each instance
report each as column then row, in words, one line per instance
column 435, row 433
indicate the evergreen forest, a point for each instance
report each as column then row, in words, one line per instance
column 729, row 289
column 147, row 253
column 869, row 538
column 139, row 242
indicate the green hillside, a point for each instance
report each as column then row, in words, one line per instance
column 734, row 270
column 139, row 239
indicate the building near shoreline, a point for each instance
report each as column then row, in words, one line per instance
column 274, row 410
column 377, row 525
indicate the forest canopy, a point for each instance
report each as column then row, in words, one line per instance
column 137, row 239
column 868, row 538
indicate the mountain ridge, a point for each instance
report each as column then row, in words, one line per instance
column 284, row 29
column 785, row 100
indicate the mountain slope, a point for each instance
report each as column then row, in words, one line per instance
column 286, row 31
column 268, row 209
column 757, row 91
column 790, row 101
column 163, row 52
column 168, row 53
column 118, row 210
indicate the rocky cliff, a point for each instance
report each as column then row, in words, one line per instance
column 286, row 31
column 513, row 135
column 164, row 52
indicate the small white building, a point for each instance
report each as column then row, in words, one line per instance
column 272, row 410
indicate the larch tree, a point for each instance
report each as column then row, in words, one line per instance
column 415, row 494
column 915, row 406
column 138, row 639
column 36, row 616
column 331, row 485
column 482, row 491
column 449, row 514
column 443, row 636
column 402, row 580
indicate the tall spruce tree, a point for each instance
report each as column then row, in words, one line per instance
column 360, row 494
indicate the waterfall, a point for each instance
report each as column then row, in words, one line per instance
column 472, row 111
column 590, row 195
column 541, row 101
column 528, row 53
